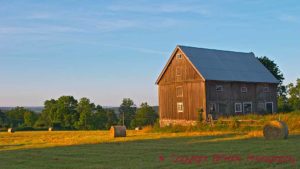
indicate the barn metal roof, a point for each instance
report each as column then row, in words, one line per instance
column 228, row 65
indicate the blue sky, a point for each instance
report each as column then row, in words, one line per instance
column 108, row 50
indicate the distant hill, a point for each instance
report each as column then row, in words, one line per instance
column 39, row 109
column 116, row 109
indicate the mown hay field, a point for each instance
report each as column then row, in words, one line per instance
column 97, row 149
column 43, row 139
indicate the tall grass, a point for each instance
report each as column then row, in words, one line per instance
column 242, row 123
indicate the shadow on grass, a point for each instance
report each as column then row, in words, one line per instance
column 221, row 138
column 122, row 141
column 11, row 145
column 147, row 153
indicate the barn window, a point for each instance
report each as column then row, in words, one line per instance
column 244, row 89
column 247, row 107
column 269, row 107
column 178, row 71
column 179, row 91
column 179, row 107
column 219, row 88
column 179, row 56
column 266, row 89
column 238, row 108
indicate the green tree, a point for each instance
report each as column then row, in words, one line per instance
column 103, row 118
column 294, row 93
column 29, row 118
column 41, row 122
column 127, row 110
column 3, row 120
column 282, row 100
column 66, row 109
column 99, row 118
column 112, row 118
column 49, row 114
column 16, row 116
column 85, row 109
column 145, row 115
column 274, row 69
column 283, row 104
column 61, row 112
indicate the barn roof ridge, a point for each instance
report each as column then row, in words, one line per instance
column 220, row 50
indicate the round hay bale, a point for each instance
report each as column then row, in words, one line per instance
column 276, row 130
column 50, row 129
column 118, row 131
column 138, row 128
column 11, row 130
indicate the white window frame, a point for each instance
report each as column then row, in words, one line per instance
column 180, row 107
column 244, row 91
column 181, row 95
column 179, row 56
column 272, row 106
column 244, row 106
column 240, row 106
column 221, row 87
column 266, row 89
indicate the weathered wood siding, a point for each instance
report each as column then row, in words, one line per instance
column 232, row 94
column 193, row 91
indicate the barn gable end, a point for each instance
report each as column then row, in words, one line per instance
column 180, row 83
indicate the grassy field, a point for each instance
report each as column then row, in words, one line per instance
column 96, row 149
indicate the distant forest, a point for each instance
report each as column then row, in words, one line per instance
column 36, row 109
column 67, row 113
column 39, row 109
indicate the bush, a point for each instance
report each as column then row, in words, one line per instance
column 147, row 129
column 56, row 125
column 40, row 123
column 235, row 124
column 200, row 115
column 24, row 128
column 170, row 129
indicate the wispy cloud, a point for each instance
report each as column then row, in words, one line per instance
column 106, row 20
column 123, row 46
column 138, row 49
column 113, row 25
column 40, row 15
column 20, row 59
column 160, row 8
column 288, row 18
column 38, row 29
column 91, row 26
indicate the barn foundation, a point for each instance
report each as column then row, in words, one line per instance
column 168, row 122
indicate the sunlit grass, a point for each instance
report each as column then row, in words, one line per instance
column 96, row 149
column 42, row 139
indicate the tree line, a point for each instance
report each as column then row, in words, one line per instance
column 68, row 113
column 288, row 95
column 290, row 100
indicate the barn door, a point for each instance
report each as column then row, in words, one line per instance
column 269, row 107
